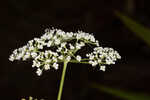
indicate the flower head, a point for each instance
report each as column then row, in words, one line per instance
column 78, row 58
column 63, row 46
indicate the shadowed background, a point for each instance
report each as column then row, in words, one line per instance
column 22, row 20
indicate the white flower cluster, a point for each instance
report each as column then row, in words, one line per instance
column 103, row 56
column 62, row 46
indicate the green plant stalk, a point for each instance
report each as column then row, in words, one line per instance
column 62, row 81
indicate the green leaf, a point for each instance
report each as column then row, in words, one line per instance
column 120, row 93
column 137, row 28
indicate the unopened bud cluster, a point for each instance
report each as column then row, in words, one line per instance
column 56, row 46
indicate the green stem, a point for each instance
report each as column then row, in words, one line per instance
column 62, row 81
column 75, row 61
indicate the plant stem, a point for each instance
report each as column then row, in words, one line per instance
column 62, row 81
column 75, row 61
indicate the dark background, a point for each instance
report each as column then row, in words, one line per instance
column 22, row 20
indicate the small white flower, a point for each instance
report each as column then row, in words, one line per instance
column 38, row 64
column 103, row 68
column 39, row 72
column 78, row 46
column 55, row 65
column 55, row 54
column 19, row 56
column 71, row 46
column 117, row 55
column 12, row 58
column 55, row 37
column 44, row 37
column 63, row 44
column 92, row 38
column 59, row 49
column 15, row 51
column 33, row 54
column 66, row 50
column 78, row 58
column 46, row 66
column 31, row 48
column 49, row 36
column 101, row 56
column 87, row 55
column 23, row 48
column 60, row 32
column 26, row 56
column 46, row 54
column 91, row 57
column 37, row 57
column 70, row 35
column 40, row 46
column 78, row 36
column 97, row 43
column 82, row 44
column 34, row 63
column 99, row 60
column 109, row 61
column 68, row 58
column 57, row 41
column 49, row 43
column 61, row 57
column 30, row 42
column 90, row 62
column 54, row 59
column 87, row 37
column 93, row 63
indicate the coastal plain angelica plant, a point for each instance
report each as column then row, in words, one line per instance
column 56, row 47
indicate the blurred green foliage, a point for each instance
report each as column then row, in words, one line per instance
column 137, row 28
column 143, row 33
column 126, row 95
